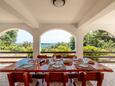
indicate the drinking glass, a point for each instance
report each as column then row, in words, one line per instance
column 85, row 60
column 51, row 61
column 75, row 58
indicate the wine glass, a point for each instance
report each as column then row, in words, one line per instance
column 75, row 58
column 85, row 60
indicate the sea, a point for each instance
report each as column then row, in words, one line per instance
column 46, row 45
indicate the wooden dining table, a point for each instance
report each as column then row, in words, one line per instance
column 58, row 65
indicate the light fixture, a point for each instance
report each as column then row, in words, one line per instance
column 58, row 3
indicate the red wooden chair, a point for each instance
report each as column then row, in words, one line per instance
column 72, row 76
column 42, row 56
column 19, row 77
column 93, row 76
column 70, row 56
column 56, row 77
column 40, row 75
column 57, row 56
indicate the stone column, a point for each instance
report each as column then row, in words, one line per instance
column 79, row 45
column 36, row 46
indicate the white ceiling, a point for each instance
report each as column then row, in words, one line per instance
column 108, row 19
column 72, row 12
column 35, row 12
column 6, row 17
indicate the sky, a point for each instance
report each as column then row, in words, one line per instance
column 52, row 36
column 23, row 36
column 55, row 36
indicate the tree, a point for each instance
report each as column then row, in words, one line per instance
column 26, row 44
column 58, row 47
column 72, row 43
column 9, row 37
column 8, row 42
column 63, row 48
column 100, row 39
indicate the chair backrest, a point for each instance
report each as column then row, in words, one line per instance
column 71, row 56
column 57, row 56
column 19, row 77
column 56, row 77
column 42, row 56
column 93, row 76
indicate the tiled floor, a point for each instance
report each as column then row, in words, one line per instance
column 3, row 79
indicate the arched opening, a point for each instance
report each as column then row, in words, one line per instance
column 100, row 39
column 100, row 45
column 57, row 41
column 17, row 43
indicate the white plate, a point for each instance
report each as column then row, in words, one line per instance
column 27, row 66
column 83, row 65
column 56, row 66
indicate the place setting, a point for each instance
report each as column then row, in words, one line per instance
column 84, row 64
column 25, row 64
column 56, row 64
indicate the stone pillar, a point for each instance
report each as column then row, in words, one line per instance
column 79, row 45
column 36, row 46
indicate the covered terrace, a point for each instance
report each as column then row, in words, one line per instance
column 78, row 17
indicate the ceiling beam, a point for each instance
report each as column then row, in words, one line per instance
column 18, row 6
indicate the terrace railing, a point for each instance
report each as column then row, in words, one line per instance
column 62, row 53
column 102, row 57
column 11, row 57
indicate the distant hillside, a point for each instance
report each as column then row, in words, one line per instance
column 46, row 45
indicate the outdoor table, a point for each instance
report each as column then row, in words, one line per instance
column 43, row 65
